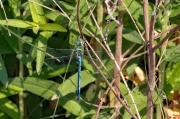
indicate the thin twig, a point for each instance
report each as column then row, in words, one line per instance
column 97, row 106
column 166, row 38
column 5, row 17
column 101, row 101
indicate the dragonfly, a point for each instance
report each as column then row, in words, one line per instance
column 64, row 55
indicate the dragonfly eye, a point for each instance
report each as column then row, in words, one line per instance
column 79, row 43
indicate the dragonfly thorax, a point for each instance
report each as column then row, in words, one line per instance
column 79, row 52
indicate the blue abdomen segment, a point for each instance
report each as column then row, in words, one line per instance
column 79, row 58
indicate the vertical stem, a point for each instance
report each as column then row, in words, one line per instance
column 98, row 46
column 151, row 62
column 21, row 71
column 118, row 54
column 160, row 87
column 163, row 64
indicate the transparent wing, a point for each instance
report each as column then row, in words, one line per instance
column 69, row 57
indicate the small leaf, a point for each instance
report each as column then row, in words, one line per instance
column 132, row 36
column 52, row 27
column 37, row 12
column 17, row 23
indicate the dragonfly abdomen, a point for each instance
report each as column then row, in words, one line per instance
column 79, row 58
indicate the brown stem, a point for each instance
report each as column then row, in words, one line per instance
column 151, row 64
column 118, row 56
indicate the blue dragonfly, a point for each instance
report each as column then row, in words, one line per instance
column 67, row 56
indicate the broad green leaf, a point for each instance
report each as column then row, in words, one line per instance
column 9, row 91
column 172, row 75
column 41, row 87
column 9, row 108
column 86, row 78
column 3, row 73
column 42, row 45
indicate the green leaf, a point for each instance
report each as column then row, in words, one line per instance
column 11, row 63
column 41, row 87
column 18, row 23
column 3, row 73
column 9, row 91
column 175, row 10
column 4, row 46
column 71, row 105
column 54, row 70
column 9, row 108
column 15, row 7
column 42, row 45
column 3, row 115
column 52, row 27
column 172, row 75
column 172, row 54
column 37, row 13
column 31, row 25
column 33, row 105
column 140, row 98
column 120, row 8
column 86, row 78
column 132, row 36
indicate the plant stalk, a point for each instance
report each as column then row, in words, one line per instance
column 118, row 56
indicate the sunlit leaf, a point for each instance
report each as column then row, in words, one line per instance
column 9, row 108
column 9, row 91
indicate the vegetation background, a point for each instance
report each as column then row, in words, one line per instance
column 133, row 73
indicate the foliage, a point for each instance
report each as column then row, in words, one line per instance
column 34, row 33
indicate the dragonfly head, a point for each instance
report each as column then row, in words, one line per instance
column 80, row 42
